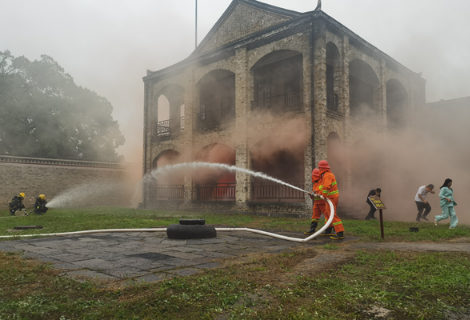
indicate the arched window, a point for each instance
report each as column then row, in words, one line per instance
column 278, row 82
column 396, row 104
column 363, row 85
column 333, row 76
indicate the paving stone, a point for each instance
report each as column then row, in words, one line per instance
column 169, row 242
column 152, row 256
column 178, row 262
column 216, row 255
column 70, row 257
column 184, row 255
column 185, row 272
column 90, row 263
column 125, row 273
column 208, row 265
column 187, row 248
column 89, row 274
column 7, row 248
column 203, row 260
column 151, row 278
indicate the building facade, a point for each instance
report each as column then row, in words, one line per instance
column 276, row 91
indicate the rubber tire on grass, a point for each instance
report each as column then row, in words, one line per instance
column 192, row 222
column 184, row 232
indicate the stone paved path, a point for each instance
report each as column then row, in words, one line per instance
column 147, row 256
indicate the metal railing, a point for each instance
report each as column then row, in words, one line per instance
column 216, row 192
column 170, row 192
column 169, row 127
column 211, row 119
column 260, row 192
column 332, row 101
column 288, row 101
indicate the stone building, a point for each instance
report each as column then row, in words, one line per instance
column 277, row 91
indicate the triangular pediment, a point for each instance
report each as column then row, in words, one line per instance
column 242, row 18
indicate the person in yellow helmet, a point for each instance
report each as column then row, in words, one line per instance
column 40, row 205
column 16, row 203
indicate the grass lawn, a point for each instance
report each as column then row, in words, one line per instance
column 63, row 220
column 407, row 285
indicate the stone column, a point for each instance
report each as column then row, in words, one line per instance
column 345, row 109
column 242, row 156
column 187, row 133
column 150, row 120
column 307, row 98
column 319, row 95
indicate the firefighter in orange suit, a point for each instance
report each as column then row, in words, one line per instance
column 329, row 189
column 318, row 203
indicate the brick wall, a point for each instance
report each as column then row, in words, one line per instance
column 98, row 183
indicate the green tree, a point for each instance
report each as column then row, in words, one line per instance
column 43, row 113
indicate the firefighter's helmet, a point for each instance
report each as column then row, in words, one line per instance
column 42, row 197
column 21, row 195
column 323, row 164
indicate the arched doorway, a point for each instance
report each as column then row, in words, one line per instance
column 170, row 102
column 215, row 184
column 171, row 186
column 278, row 82
column 363, row 88
column 216, row 100
column 396, row 104
column 281, row 157
column 333, row 76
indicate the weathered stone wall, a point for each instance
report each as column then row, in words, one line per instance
column 52, row 177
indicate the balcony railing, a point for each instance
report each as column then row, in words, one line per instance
column 169, row 127
column 216, row 192
column 285, row 102
column 269, row 192
column 211, row 119
column 170, row 192
column 332, row 101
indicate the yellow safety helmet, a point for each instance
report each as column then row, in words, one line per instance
column 21, row 195
column 42, row 197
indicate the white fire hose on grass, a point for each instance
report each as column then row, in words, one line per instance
column 327, row 224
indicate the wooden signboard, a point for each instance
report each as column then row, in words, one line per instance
column 378, row 204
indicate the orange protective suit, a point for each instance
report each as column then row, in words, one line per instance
column 328, row 187
column 319, row 205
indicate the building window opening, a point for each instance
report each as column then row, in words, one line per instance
column 363, row 84
column 281, row 159
column 217, row 100
column 396, row 104
column 333, row 77
column 213, row 184
column 278, row 82
column 169, row 187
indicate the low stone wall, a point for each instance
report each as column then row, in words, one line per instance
column 96, row 183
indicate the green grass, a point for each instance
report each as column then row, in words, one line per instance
column 411, row 285
column 64, row 220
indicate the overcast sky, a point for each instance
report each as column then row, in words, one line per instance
column 107, row 45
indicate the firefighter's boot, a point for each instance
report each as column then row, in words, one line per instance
column 338, row 236
column 327, row 232
column 313, row 227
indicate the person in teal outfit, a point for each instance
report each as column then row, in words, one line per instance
column 447, row 205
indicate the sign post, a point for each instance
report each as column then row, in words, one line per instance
column 379, row 205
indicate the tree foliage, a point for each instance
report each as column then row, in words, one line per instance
column 43, row 113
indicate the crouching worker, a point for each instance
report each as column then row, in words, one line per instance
column 328, row 187
column 318, row 203
column 40, row 205
column 16, row 203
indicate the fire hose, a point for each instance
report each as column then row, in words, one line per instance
column 275, row 235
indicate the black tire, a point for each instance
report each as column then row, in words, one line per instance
column 192, row 222
column 183, row 232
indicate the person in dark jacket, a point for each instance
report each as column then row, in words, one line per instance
column 376, row 193
column 16, row 203
column 40, row 205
